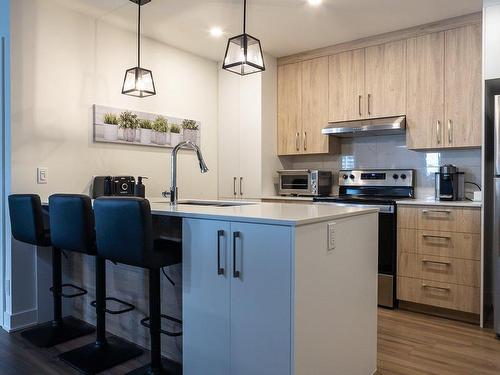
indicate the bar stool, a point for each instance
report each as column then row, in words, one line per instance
column 28, row 226
column 125, row 235
column 72, row 223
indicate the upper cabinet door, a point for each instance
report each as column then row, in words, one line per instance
column 385, row 71
column 314, row 105
column 425, row 91
column 463, row 87
column 289, row 109
column 347, row 86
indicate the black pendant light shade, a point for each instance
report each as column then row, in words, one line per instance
column 138, row 81
column 244, row 53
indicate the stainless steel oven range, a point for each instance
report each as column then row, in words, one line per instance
column 380, row 189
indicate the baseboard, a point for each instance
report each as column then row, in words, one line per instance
column 20, row 320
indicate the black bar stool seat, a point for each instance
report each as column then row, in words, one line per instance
column 125, row 235
column 73, row 229
column 28, row 226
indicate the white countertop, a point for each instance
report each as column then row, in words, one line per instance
column 257, row 212
column 288, row 198
column 432, row 202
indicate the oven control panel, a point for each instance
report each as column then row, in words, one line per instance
column 379, row 177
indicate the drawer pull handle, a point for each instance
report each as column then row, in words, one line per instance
column 436, row 262
column 436, row 212
column 436, row 237
column 435, row 287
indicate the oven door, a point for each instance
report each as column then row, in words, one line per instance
column 295, row 182
column 387, row 252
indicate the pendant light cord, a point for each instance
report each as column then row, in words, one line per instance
column 139, row 36
column 244, row 16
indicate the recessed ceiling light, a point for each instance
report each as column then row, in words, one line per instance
column 314, row 3
column 216, row 32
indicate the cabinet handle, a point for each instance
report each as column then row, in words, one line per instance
column 220, row 270
column 436, row 262
column 438, row 237
column 236, row 273
column 297, row 141
column 360, row 97
column 234, row 186
column 435, row 287
column 450, row 135
column 436, row 211
column 305, row 141
column 369, row 99
column 241, row 186
column 438, row 131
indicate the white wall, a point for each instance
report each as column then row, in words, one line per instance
column 63, row 62
column 491, row 43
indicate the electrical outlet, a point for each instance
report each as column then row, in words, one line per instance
column 331, row 236
column 42, row 175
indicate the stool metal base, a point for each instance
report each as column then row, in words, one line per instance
column 50, row 334
column 169, row 367
column 91, row 359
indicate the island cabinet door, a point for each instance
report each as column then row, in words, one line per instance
column 260, row 299
column 205, row 297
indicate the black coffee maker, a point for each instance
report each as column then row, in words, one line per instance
column 449, row 183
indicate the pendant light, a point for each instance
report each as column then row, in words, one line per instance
column 244, row 53
column 138, row 81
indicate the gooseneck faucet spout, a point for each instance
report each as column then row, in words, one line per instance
column 174, row 191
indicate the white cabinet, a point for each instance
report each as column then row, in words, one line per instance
column 236, row 298
column 240, row 119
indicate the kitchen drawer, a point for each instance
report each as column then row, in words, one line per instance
column 448, row 270
column 449, row 296
column 449, row 219
column 407, row 240
column 449, row 244
column 407, row 217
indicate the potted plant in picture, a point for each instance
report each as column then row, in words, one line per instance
column 146, row 127
column 175, row 135
column 110, row 127
column 128, row 122
column 160, row 127
column 190, row 130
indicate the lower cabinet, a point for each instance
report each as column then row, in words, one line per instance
column 236, row 298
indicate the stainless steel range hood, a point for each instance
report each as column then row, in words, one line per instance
column 374, row 126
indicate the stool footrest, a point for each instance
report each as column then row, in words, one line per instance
column 129, row 307
column 80, row 292
column 145, row 323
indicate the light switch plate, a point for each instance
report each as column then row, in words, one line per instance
column 331, row 236
column 42, row 175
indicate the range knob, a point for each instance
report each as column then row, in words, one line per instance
column 351, row 177
column 345, row 177
column 403, row 176
column 395, row 176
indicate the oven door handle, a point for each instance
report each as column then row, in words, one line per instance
column 383, row 208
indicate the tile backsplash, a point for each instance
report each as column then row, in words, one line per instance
column 390, row 152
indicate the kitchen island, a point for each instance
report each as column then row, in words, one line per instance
column 267, row 288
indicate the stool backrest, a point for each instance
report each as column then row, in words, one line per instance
column 26, row 219
column 72, row 223
column 124, row 229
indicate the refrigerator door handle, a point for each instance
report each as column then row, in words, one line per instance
column 497, row 135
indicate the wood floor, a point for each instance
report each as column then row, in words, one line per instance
column 409, row 344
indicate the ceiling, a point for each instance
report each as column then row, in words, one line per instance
column 284, row 26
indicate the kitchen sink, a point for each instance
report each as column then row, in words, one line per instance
column 212, row 203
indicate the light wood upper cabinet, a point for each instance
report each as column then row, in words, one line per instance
column 385, row 79
column 463, row 86
column 303, row 107
column 347, row 86
column 289, row 109
column 314, row 105
column 425, row 91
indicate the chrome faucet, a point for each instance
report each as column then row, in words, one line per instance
column 174, row 191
